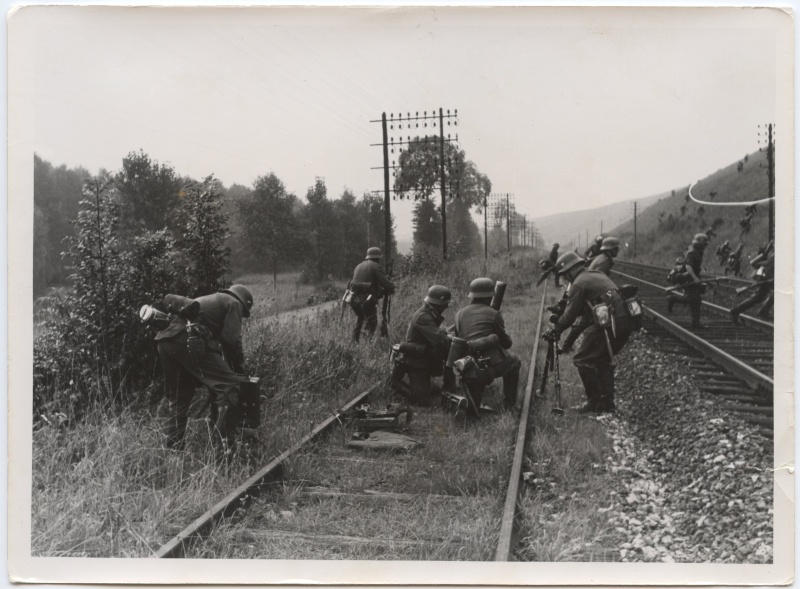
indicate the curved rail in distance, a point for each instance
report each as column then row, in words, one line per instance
column 505, row 542
column 726, row 281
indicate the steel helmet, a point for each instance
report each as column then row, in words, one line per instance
column 599, row 239
column 374, row 253
column 481, row 288
column 609, row 243
column 438, row 295
column 568, row 260
column 242, row 294
column 700, row 239
column 555, row 246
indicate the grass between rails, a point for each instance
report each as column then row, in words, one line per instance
column 105, row 487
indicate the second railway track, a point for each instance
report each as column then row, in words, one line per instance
column 452, row 498
column 732, row 361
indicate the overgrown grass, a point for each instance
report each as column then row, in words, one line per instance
column 289, row 293
column 106, row 487
column 566, row 483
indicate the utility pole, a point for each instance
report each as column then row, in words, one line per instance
column 486, row 226
column 771, row 176
column 387, row 215
column 601, row 228
column 508, row 223
column 634, row 227
column 441, row 184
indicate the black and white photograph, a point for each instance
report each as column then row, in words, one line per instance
column 438, row 295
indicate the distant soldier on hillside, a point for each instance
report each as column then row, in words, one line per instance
column 369, row 285
column 693, row 261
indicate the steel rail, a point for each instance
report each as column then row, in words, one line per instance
column 730, row 280
column 745, row 319
column 738, row 368
column 227, row 505
column 507, row 528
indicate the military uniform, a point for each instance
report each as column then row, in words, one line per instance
column 551, row 259
column 368, row 279
column 478, row 320
column 602, row 263
column 593, row 251
column 593, row 358
column 220, row 315
column 765, row 293
column 694, row 292
column 424, row 358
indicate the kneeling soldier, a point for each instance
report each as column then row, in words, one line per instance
column 424, row 350
column 479, row 320
column 203, row 345
column 594, row 357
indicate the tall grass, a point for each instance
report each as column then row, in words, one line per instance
column 106, row 487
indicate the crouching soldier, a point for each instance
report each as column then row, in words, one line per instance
column 202, row 345
column 605, row 336
column 369, row 285
column 424, row 351
column 478, row 320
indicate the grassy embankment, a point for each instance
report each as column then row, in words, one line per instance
column 661, row 242
column 106, row 487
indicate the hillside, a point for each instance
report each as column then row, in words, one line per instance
column 664, row 230
column 566, row 228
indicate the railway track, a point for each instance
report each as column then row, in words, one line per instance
column 320, row 499
column 732, row 361
column 723, row 293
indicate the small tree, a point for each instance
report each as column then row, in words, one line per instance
column 203, row 236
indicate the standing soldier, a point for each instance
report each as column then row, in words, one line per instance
column 723, row 251
column 605, row 259
column 424, row 350
column 478, row 320
column 594, row 250
column 735, row 261
column 694, row 291
column 369, row 284
column 210, row 355
column 594, row 357
column 551, row 262
column 764, row 263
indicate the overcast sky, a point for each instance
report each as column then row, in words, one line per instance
column 565, row 108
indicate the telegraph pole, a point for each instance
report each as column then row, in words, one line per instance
column 441, row 184
column 771, row 176
column 387, row 215
column 634, row 227
column 508, row 223
column 486, row 226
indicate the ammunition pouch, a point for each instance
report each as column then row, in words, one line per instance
column 196, row 340
column 634, row 307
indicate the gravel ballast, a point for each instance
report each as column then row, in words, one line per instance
column 693, row 482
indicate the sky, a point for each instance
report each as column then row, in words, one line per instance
column 566, row 109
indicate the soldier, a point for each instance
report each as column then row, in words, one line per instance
column 424, row 350
column 594, row 357
column 551, row 262
column 369, row 284
column 605, row 259
column 594, row 250
column 764, row 263
column 723, row 251
column 478, row 320
column 694, row 292
column 218, row 363
column 735, row 261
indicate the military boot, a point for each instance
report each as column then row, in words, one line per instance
column 605, row 379
column 589, row 377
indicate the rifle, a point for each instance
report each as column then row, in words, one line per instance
column 742, row 289
column 345, row 300
column 550, row 363
column 707, row 281
column 545, row 275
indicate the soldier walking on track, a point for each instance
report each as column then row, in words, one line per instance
column 590, row 290
column 478, row 320
column 424, row 351
column 694, row 291
column 764, row 263
column 551, row 262
column 369, row 285
column 202, row 345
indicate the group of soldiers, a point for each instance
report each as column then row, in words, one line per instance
column 423, row 355
column 687, row 275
